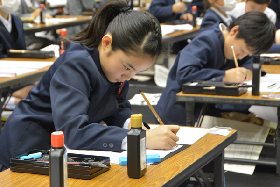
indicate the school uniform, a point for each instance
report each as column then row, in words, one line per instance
column 202, row 59
column 11, row 40
column 162, row 9
column 73, row 96
column 240, row 10
column 212, row 16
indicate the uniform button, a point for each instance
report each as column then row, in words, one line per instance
column 111, row 145
column 105, row 145
column 218, row 79
column 214, row 79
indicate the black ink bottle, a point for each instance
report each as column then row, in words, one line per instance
column 136, row 148
column 58, row 161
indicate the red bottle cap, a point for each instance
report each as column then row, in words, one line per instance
column 63, row 32
column 57, row 139
column 42, row 6
column 194, row 8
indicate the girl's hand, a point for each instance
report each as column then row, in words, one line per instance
column 162, row 137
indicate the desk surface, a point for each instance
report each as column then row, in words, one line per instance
column 169, row 172
column 245, row 99
column 36, row 27
column 181, row 35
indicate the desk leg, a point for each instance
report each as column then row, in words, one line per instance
column 278, row 143
column 189, row 114
column 219, row 176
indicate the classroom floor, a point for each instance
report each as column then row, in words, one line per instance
column 264, row 176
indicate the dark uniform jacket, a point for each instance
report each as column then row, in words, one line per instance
column 74, row 96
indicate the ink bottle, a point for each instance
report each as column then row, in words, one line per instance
column 58, row 170
column 136, row 148
column 194, row 8
column 42, row 13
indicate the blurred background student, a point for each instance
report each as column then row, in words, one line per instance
column 12, row 37
column 77, row 7
column 31, row 9
column 168, row 10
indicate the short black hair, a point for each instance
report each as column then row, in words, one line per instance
column 256, row 29
column 261, row 2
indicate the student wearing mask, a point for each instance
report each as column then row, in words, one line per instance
column 12, row 37
column 216, row 11
column 117, row 44
column 210, row 58
column 12, row 34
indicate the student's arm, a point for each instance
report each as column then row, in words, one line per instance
column 162, row 10
column 200, row 60
column 70, row 108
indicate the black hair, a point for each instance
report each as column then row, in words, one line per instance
column 261, row 2
column 132, row 31
column 256, row 29
column 206, row 6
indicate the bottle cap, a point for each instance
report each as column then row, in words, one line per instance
column 42, row 6
column 194, row 8
column 63, row 32
column 136, row 120
column 57, row 139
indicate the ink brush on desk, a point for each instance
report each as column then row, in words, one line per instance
column 151, row 107
column 234, row 56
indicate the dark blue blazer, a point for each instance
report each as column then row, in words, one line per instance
column 209, row 19
column 13, row 40
column 74, row 96
column 162, row 9
column 275, row 6
column 202, row 59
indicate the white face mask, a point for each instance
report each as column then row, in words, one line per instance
column 229, row 5
column 10, row 6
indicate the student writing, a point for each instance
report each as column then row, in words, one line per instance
column 87, row 85
column 209, row 57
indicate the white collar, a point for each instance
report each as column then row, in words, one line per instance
column 222, row 27
column 7, row 23
column 226, row 19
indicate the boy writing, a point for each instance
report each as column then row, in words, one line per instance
column 209, row 57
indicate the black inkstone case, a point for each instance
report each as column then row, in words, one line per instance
column 74, row 171
column 214, row 88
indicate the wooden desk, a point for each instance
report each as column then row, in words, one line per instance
column 177, row 36
column 12, row 83
column 245, row 99
column 36, row 27
column 171, row 172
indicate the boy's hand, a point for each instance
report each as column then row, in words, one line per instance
column 162, row 137
column 239, row 74
column 178, row 7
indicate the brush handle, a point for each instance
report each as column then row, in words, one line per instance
column 152, row 108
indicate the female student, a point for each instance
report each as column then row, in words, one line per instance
column 210, row 58
column 88, row 85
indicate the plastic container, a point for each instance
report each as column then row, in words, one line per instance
column 43, row 19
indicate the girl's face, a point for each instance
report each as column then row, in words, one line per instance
column 117, row 65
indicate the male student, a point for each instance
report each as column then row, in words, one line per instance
column 209, row 57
